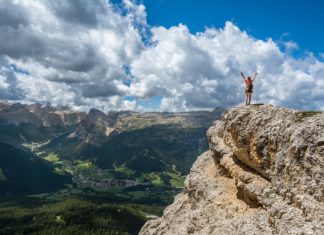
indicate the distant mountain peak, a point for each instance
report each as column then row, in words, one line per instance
column 95, row 111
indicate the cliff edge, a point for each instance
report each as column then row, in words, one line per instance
column 263, row 174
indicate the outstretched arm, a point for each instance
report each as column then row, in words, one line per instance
column 243, row 75
column 256, row 73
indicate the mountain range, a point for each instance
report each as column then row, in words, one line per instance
column 128, row 146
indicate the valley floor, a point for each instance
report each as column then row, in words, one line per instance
column 75, row 211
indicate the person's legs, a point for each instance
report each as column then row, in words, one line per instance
column 246, row 98
column 250, row 94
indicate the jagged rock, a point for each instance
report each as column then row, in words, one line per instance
column 18, row 114
column 263, row 174
column 38, row 115
column 94, row 127
column 59, row 116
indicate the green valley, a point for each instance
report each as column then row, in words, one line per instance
column 70, row 172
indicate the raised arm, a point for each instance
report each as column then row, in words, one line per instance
column 256, row 73
column 243, row 75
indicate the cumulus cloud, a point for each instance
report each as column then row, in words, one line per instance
column 96, row 54
column 74, row 51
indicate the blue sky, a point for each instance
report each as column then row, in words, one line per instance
column 300, row 21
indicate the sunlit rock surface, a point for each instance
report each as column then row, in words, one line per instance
column 263, row 174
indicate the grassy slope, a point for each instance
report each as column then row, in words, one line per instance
column 149, row 149
column 25, row 173
column 69, row 216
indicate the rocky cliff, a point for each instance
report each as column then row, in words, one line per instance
column 263, row 174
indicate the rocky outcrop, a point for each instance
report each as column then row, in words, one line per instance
column 17, row 114
column 263, row 174
column 94, row 127
column 59, row 116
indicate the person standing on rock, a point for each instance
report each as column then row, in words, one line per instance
column 248, row 88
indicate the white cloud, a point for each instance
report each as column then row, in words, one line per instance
column 290, row 46
column 75, row 53
column 72, row 50
column 3, row 84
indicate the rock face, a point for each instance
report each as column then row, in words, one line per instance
column 56, row 116
column 17, row 114
column 94, row 127
column 263, row 174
